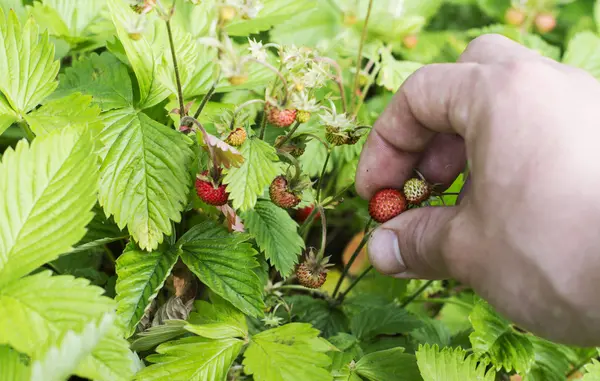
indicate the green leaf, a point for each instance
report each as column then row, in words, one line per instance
column 72, row 110
column 222, row 262
column 248, row 181
column 288, row 353
column 158, row 334
column 7, row 114
column 46, row 193
column 12, row 365
column 393, row 73
column 29, row 59
column 273, row 12
column 451, row 364
column 15, row 5
column 74, row 18
column 310, row 28
column 388, row 320
column 326, row 318
column 59, row 361
column 432, row 332
column 144, row 54
column 111, row 360
column 592, row 371
column 494, row 337
column 388, row 365
column 351, row 351
column 192, row 359
column 145, row 176
column 103, row 77
column 276, row 234
column 36, row 309
column 583, row 52
column 551, row 362
column 217, row 320
column 140, row 276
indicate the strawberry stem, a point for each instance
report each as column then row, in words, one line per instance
column 338, row 79
column 360, row 51
column 215, row 169
column 292, row 160
column 416, row 294
column 288, row 135
column 278, row 73
column 320, row 181
column 207, row 97
column 321, row 252
column 175, row 67
column 354, row 283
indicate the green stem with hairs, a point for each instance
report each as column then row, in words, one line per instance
column 320, row 181
column 288, row 135
column 182, row 112
column 354, row 283
column 206, row 98
column 321, row 253
column 416, row 294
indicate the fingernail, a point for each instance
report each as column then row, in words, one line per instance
column 384, row 252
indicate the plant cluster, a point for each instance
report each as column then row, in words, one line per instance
column 177, row 200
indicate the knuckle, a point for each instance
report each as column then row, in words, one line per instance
column 483, row 42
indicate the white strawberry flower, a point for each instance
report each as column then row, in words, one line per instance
column 301, row 101
column 331, row 118
column 257, row 50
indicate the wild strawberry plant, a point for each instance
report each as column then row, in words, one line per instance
column 176, row 191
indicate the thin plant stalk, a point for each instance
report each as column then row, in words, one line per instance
column 321, row 253
column 338, row 79
column 206, row 98
column 176, row 68
column 215, row 169
column 416, row 294
column 360, row 50
column 288, row 135
column 320, row 181
column 263, row 125
column 355, row 282
column 278, row 73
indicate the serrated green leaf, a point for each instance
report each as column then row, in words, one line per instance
column 102, row 76
column 111, row 360
column 451, row 364
column 222, row 262
column 12, row 365
column 15, row 5
column 72, row 110
column 313, row 159
column 310, row 28
column 349, row 351
column 386, row 320
column 432, row 332
column 7, row 114
column 145, row 176
column 248, row 181
column 46, row 193
column 272, row 13
column 494, row 337
column 29, row 58
column 270, row 353
column 192, row 359
column 276, row 234
column 326, row 318
column 217, row 320
column 592, row 371
column 551, row 362
column 36, row 309
column 144, row 54
column 74, row 18
column 158, row 334
column 140, row 276
column 59, row 361
column 389, row 365
column 393, row 73
column 583, row 52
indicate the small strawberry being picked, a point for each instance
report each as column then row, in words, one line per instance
column 312, row 273
column 209, row 192
column 280, row 117
column 416, row 191
column 281, row 193
column 387, row 204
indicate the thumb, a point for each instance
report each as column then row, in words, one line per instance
column 414, row 244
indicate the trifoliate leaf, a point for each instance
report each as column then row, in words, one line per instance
column 111, row 360
column 145, row 177
column 145, row 53
column 29, row 58
column 272, row 13
column 72, row 110
column 59, row 361
column 223, row 261
column 389, row 365
column 158, row 334
column 270, row 353
column 276, row 234
column 583, row 52
column 217, row 320
column 451, row 364
column 551, row 362
column 393, row 73
column 140, row 276
column 7, row 114
column 592, row 371
column 386, row 320
column 12, row 365
column 36, row 309
column 494, row 337
column 326, row 318
column 103, row 77
column 192, row 359
column 46, row 193
column 248, row 181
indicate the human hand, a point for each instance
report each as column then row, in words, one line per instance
column 526, row 233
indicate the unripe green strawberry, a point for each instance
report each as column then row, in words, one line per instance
column 387, row 204
column 237, row 137
column 302, row 116
column 281, row 195
column 416, row 191
column 335, row 136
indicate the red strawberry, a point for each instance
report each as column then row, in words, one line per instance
column 387, row 204
column 312, row 273
column 416, row 191
column 281, row 195
column 303, row 213
column 209, row 193
column 280, row 117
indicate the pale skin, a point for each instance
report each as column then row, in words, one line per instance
column 526, row 233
